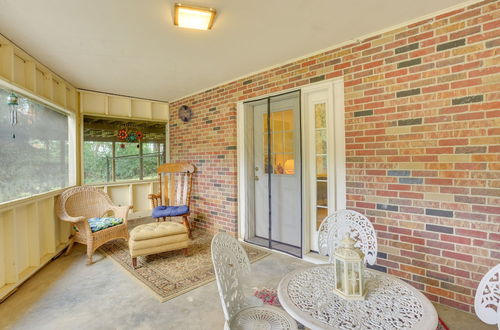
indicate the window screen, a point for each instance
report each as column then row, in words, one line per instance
column 36, row 160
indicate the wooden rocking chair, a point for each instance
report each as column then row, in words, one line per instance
column 174, row 198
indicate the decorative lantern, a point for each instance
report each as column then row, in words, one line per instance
column 12, row 102
column 349, row 268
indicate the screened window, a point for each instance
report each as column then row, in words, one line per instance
column 35, row 160
column 110, row 156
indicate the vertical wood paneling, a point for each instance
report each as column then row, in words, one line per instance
column 9, row 247
column 6, row 61
column 33, row 229
column 2, row 251
column 21, row 239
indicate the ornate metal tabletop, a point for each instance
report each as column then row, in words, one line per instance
column 307, row 295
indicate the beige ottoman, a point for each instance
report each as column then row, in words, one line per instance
column 157, row 237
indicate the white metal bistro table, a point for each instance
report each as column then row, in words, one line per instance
column 307, row 295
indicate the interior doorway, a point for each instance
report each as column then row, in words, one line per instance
column 273, row 133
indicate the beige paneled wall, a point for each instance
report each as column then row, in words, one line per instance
column 101, row 104
column 30, row 233
column 23, row 71
column 97, row 104
column 133, row 193
column 30, row 236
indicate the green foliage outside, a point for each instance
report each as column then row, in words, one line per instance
column 98, row 159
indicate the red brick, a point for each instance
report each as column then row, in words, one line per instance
column 455, row 239
column 453, row 271
column 458, row 256
column 372, row 80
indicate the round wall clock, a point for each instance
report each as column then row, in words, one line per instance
column 185, row 113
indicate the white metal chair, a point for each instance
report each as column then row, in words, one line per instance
column 241, row 312
column 487, row 300
column 336, row 225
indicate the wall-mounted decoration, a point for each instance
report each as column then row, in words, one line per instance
column 12, row 101
column 185, row 113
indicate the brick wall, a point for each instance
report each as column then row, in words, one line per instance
column 422, row 138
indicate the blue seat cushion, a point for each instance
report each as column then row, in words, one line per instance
column 97, row 224
column 169, row 211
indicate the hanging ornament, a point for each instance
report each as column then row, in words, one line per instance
column 122, row 145
column 12, row 102
column 130, row 135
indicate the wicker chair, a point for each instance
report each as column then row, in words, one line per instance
column 77, row 205
column 174, row 198
column 334, row 227
column 241, row 312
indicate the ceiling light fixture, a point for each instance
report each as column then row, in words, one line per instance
column 193, row 17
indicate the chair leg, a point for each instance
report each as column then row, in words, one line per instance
column 134, row 262
column 186, row 223
column 68, row 249
column 90, row 251
column 185, row 252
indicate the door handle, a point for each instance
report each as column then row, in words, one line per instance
column 256, row 178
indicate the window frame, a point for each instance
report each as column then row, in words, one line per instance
column 166, row 157
column 162, row 157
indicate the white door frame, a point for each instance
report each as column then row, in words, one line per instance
column 336, row 143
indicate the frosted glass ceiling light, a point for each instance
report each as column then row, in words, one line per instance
column 193, row 17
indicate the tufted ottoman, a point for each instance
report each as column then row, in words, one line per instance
column 157, row 237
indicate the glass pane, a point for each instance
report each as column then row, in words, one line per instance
column 321, row 193
column 150, row 159
column 289, row 164
column 320, row 115
column 288, row 120
column 321, row 214
column 277, row 146
column 128, row 137
column 277, row 121
column 321, row 167
column 288, row 142
column 127, row 161
column 98, row 159
column 279, row 164
column 264, row 121
column 36, row 160
column 321, row 141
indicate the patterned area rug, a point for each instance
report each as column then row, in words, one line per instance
column 170, row 274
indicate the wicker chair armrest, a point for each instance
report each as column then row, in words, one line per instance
column 121, row 211
column 69, row 218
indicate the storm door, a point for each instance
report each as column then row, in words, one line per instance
column 276, row 220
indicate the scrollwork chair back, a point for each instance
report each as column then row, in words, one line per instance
column 487, row 300
column 231, row 264
column 334, row 227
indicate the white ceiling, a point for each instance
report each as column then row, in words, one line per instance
column 131, row 47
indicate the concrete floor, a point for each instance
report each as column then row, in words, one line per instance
column 67, row 294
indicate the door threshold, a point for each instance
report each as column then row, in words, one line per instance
column 315, row 258
column 268, row 249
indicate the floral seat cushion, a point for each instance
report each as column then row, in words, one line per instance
column 97, row 224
